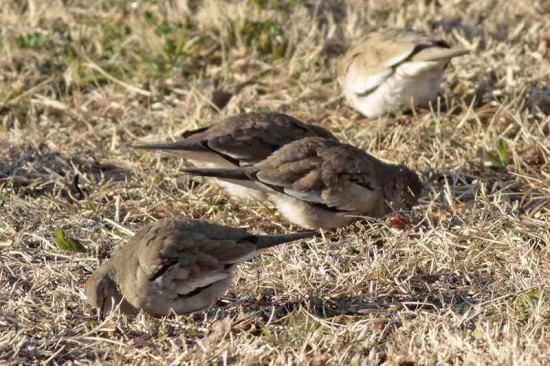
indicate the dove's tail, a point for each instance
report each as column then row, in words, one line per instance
column 439, row 53
column 222, row 173
column 183, row 145
column 267, row 241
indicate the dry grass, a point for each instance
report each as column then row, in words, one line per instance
column 465, row 283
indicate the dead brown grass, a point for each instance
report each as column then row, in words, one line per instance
column 465, row 283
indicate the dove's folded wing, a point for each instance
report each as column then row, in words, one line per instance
column 241, row 140
column 320, row 172
column 258, row 135
column 374, row 59
column 371, row 62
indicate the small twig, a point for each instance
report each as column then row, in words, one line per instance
column 507, row 295
column 127, row 86
column 119, row 226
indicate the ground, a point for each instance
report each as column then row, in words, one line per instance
column 461, row 280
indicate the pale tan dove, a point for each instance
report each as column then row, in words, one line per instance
column 391, row 71
column 323, row 183
column 175, row 267
column 241, row 140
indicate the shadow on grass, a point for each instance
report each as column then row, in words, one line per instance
column 443, row 292
column 37, row 171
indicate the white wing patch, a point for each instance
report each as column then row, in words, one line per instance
column 304, row 196
column 364, row 84
column 417, row 68
column 212, row 159
column 186, row 286
column 249, row 184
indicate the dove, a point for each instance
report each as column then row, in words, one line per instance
column 240, row 140
column 322, row 183
column 394, row 70
column 175, row 267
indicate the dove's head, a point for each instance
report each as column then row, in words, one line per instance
column 405, row 189
column 103, row 293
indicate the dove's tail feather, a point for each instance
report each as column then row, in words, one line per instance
column 222, row 173
column 183, row 145
column 439, row 53
column 267, row 241
column 244, row 177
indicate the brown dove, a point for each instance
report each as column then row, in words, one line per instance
column 241, row 140
column 322, row 183
column 394, row 70
column 175, row 267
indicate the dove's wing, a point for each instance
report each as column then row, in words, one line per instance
column 322, row 172
column 258, row 135
column 242, row 140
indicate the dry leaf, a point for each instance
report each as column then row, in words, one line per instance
column 222, row 326
column 399, row 222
